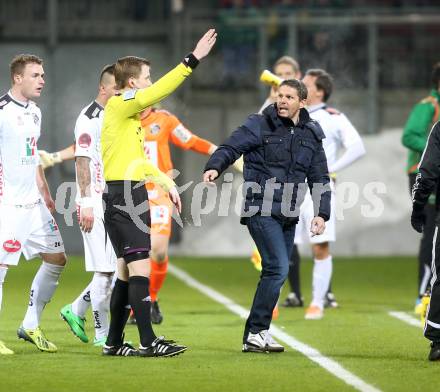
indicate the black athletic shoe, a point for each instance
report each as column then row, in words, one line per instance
column 292, row 301
column 156, row 314
column 162, row 348
column 330, row 301
column 123, row 350
column 434, row 354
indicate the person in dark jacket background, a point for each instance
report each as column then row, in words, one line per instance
column 282, row 149
column 415, row 135
column 428, row 181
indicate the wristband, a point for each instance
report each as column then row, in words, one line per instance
column 56, row 156
column 190, row 61
column 323, row 216
column 86, row 202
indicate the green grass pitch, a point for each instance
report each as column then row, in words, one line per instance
column 360, row 335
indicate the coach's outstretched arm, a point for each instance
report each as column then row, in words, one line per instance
column 135, row 101
column 427, row 178
column 246, row 138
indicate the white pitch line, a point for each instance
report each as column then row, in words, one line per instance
column 314, row 355
column 406, row 318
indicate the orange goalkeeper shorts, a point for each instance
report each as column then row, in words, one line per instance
column 161, row 209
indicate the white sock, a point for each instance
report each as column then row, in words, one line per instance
column 114, row 278
column 3, row 271
column 322, row 274
column 82, row 303
column 100, row 293
column 42, row 289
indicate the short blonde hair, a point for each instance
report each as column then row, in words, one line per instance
column 126, row 68
column 289, row 61
column 20, row 61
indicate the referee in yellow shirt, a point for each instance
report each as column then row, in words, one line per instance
column 127, row 216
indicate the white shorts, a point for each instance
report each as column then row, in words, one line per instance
column 27, row 230
column 98, row 250
column 302, row 232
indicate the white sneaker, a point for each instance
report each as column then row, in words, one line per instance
column 255, row 342
column 261, row 342
column 272, row 345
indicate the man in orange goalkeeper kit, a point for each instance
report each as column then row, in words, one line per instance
column 161, row 127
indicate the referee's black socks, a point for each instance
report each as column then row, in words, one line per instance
column 140, row 301
column 119, row 312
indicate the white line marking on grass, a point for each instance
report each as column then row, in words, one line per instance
column 314, row 355
column 406, row 318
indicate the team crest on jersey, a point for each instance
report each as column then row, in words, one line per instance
column 35, row 118
column 154, row 129
column 84, row 140
column 31, row 146
column 12, row 246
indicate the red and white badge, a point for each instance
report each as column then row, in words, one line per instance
column 84, row 140
column 12, row 246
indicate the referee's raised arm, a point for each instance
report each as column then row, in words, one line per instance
column 137, row 98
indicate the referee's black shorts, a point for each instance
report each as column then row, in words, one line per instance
column 127, row 219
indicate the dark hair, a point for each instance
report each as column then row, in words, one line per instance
column 20, row 61
column 435, row 76
column 323, row 82
column 289, row 61
column 126, row 68
column 299, row 86
column 108, row 69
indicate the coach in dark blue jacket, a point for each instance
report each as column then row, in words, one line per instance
column 282, row 149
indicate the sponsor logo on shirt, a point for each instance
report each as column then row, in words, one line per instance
column 150, row 149
column 30, row 153
column 182, row 133
column 84, row 140
column 31, row 146
column 99, row 188
column 12, row 246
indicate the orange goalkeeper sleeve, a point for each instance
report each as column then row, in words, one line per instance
column 201, row 146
